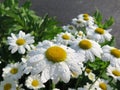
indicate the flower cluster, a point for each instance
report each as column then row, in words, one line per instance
column 80, row 57
column 71, row 54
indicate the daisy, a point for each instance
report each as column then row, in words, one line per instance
column 101, row 84
column 14, row 71
column 90, row 48
column 91, row 76
column 98, row 34
column 111, row 54
column 20, row 42
column 56, row 62
column 64, row 38
column 87, row 87
column 34, row 82
column 80, row 34
column 113, row 72
column 83, row 20
column 8, row 84
column 70, row 29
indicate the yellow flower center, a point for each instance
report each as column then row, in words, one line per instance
column 85, row 15
column 99, row 30
column 88, row 70
column 78, row 21
column 85, row 44
column 86, row 18
column 35, row 83
column 116, row 72
column 56, row 54
column 20, row 41
column 14, row 70
column 66, row 37
column 103, row 86
column 7, row 86
column 70, row 27
column 115, row 52
column 80, row 33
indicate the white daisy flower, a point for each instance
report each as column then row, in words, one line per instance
column 64, row 38
column 56, row 62
column 101, row 84
column 90, row 48
column 80, row 34
column 111, row 54
column 113, row 72
column 83, row 20
column 87, row 87
column 34, row 82
column 8, row 84
column 14, row 71
column 20, row 42
column 91, row 76
column 98, row 34
column 70, row 29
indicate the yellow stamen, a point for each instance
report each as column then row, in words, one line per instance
column 7, row 86
column 70, row 27
column 85, row 44
column 86, row 18
column 116, row 72
column 103, row 86
column 78, row 21
column 66, row 37
column 115, row 52
column 56, row 54
column 99, row 30
column 20, row 41
column 14, row 70
column 88, row 70
column 35, row 83
column 85, row 15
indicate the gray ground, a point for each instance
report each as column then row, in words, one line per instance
column 65, row 10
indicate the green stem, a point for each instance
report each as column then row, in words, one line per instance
column 52, row 85
column 79, row 80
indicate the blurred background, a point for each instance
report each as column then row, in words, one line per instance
column 66, row 10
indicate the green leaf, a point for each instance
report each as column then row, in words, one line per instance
column 98, row 18
column 108, row 23
column 111, row 42
column 27, row 4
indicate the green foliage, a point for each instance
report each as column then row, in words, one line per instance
column 99, row 20
column 14, row 18
column 98, row 64
column 110, row 43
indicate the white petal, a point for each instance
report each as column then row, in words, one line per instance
column 21, row 50
column 45, row 74
column 64, row 72
column 21, row 34
column 14, row 49
column 36, row 59
column 13, row 36
column 54, row 73
column 27, row 47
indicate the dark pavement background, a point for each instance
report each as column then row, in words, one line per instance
column 66, row 10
